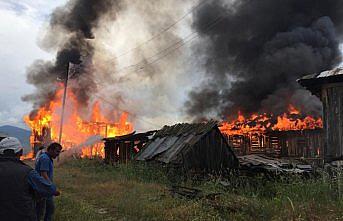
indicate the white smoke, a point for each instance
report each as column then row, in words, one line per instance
column 154, row 93
column 77, row 150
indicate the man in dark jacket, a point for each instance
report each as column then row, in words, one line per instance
column 19, row 183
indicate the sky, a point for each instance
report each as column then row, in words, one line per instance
column 21, row 25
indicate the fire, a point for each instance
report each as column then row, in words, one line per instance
column 28, row 156
column 261, row 123
column 285, row 123
column 293, row 110
column 77, row 127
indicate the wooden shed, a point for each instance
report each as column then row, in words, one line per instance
column 199, row 147
column 328, row 86
column 124, row 148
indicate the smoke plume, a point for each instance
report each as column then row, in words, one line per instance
column 258, row 49
column 119, row 44
column 70, row 33
column 135, row 68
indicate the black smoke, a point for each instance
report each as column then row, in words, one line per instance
column 71, row 33
column 258, row 49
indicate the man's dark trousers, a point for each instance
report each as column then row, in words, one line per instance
column 46, row 205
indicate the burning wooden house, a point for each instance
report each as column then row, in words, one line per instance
column 190, row 146
column 45, row 125
column 328, row 86
column 288, row 135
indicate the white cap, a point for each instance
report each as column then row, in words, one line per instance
column 10, row 143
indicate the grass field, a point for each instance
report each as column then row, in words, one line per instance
column 94, row 191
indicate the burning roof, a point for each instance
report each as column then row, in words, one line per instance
column 291, row 133
column 293, row 119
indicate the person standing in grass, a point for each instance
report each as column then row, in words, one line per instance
column 45, row 167
column 19, row 184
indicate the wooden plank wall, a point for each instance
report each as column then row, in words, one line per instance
column 307, row 143
column 332, row 98
column 210, row 153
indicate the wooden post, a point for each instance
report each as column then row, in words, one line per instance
column 63, row 103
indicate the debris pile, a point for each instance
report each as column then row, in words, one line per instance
column 264, row 164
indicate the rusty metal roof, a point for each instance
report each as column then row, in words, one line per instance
column 168, row 142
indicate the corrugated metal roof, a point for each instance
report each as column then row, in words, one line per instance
column 334, row 72
column 314, row 82
column 168, row 142
column 324, row 74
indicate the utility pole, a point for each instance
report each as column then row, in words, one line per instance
column 63, row 102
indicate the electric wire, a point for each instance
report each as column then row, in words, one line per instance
column 167, row 51
column 161, row 32
column 177, row 45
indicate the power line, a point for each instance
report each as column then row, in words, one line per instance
column 162, row 32
column 178, row 44
column 134, row 115
column 172, row 47
column 158, row 53
column 217, row 20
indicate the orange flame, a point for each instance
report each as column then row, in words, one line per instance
column 260, row 123
column 77, row 127
column 28, row 156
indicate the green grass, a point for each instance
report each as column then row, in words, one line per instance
column 92, row 190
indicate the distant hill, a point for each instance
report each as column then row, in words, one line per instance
column 22, row 134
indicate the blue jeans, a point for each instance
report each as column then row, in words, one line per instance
column 45, row 207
